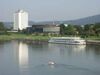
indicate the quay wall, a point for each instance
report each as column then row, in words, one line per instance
column 93, row 42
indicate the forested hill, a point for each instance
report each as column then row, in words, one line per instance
column 82, row 21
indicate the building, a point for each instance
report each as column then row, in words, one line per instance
column 20, row 20
column 53, row 29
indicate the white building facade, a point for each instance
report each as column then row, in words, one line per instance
column 20, row 20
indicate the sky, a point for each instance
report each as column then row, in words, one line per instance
column 49, row 10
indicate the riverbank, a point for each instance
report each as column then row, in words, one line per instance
column 23, row 37
column 93, row 42
column 38, row 38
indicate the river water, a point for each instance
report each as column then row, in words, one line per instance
column 21, row 58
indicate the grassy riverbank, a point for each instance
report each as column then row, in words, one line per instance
column 93, row 38
column 23, row 37
column 18, row 36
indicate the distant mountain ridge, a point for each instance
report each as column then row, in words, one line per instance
column 10, row 24
column 87, row 20
column 82, row 21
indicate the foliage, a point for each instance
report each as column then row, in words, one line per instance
column 89, row 30
column 79, row 29
column 2, row 28
column 70, row 30
column 62, row 29
column 67, row 30
column 84, row 31
column 97, row 29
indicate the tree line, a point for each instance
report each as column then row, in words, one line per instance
column 3, row 29
column 82, row 30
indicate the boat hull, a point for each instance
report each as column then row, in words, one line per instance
column 67, row 40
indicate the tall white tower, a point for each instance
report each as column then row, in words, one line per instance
column 20, row 20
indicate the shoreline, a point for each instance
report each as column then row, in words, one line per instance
column 93, row 42
column 38, row 38
column 23, row 37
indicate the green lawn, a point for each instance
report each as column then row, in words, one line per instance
column 12, row 36
column 23, row 36
column 93, row 38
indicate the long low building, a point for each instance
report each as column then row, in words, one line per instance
column 54, row 29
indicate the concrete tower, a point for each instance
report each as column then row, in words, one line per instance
column 20, row 20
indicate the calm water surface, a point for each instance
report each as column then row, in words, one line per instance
column 20, row 58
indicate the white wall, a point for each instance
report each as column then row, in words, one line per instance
column 20, row 20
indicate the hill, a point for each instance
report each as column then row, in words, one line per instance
column 82, row 21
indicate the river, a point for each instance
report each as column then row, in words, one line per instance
column 23, row 58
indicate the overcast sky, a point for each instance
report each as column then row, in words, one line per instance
column 45, row 10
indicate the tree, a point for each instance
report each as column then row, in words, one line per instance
column 97, row 29
column 2, row 28
column 70, row 30
column 62, row 29
column 79, row 29
column 89, row 29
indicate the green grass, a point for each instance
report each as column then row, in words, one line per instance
column 22, row 37
column 93, row 38
column 14, row 36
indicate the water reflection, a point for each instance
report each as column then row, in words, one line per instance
column 28, row 59
column 69, row 49
column 23, row 58
column 93, row 50
column 20, row 56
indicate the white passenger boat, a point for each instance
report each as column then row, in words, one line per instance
column 67, row 40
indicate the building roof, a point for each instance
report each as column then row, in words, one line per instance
column 45, row 25
column 20, row 11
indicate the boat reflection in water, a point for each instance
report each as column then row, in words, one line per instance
column 79, row 48
column 64, row 50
